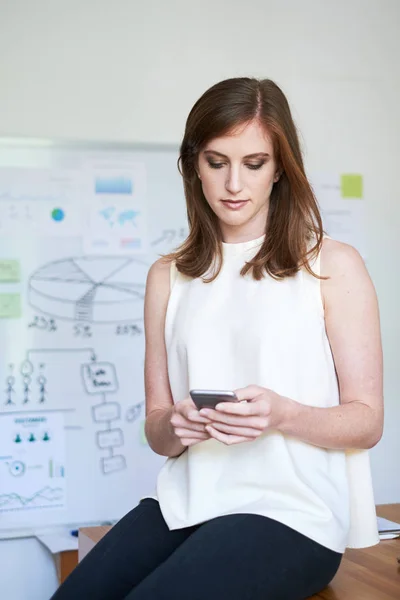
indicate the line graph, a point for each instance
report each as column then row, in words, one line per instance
column 45, row 497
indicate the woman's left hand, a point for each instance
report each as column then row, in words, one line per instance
column 236, row 422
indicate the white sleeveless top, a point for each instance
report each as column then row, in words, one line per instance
column 234, row 332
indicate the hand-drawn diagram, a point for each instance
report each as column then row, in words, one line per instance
column 171, row 235
column 134, row 412
column 98, row 379
column 97, row 289
column 26, row 372
column 32, row 461
column 10, row 391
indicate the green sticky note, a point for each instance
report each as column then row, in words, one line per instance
column 9, row 270
column 143, row 439
column 10, row 306
column 352, row 186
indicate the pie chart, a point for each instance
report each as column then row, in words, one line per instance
column 95, row 289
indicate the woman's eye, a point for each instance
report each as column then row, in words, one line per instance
column 255, row 167
column 219, row 165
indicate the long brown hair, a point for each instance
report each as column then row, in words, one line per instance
column 294, row 228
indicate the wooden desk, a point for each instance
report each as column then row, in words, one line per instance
column 369, row 573
column 89, row 536
column 66, row 562
column 366, row 574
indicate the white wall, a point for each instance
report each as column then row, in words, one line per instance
column 130, row 70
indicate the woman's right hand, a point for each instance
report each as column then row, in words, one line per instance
column 188, row 424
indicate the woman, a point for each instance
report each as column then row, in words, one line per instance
column 257, row 499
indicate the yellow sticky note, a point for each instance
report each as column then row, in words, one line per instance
column 351, row 186
column 10, row 306
column 143, row 439
column 9, row 270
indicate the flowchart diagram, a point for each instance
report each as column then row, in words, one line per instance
column 99, row 380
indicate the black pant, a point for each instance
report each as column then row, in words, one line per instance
column 235, row 557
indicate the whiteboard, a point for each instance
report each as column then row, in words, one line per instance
column 80, row 224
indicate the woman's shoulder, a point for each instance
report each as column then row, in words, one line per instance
column 159, row 274
column 160, row 267
column 157, row 288
column 346, row 275
column 339, row 259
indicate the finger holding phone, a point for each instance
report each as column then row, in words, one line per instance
column 188, row 424
column 256, row 410
column 206, row 401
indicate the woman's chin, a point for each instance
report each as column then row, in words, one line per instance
column 234, row 220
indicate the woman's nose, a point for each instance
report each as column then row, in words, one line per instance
column 233, row 183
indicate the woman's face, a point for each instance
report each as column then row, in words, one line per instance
column 237, row 172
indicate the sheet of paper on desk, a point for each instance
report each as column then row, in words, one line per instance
column 386, row 526
column 388, row 536
column 59, row 542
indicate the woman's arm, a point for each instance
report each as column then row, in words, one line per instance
column 159, row 403
column 352, row 325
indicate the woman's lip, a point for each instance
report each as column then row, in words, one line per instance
column 234, row 204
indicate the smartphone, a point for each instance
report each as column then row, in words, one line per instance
column 210, row 398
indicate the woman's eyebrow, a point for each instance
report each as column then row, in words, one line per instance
column 255, row 155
